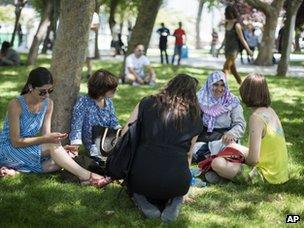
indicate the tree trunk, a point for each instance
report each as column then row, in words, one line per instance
column 289, row 24
column 42, row 29
column 68, row 58
column 113, row 7
column 271, row 12
column 18, row 9
column 97, row 10
column 45, row 42
column 198, row 24
column 297, row 41
column 265, row 55
column 143, row 26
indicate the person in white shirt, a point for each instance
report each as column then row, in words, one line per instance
column 135, row 66
column 91, row 42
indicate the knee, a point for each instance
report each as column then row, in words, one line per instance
column 218, row 163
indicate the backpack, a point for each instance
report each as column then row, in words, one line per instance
column 119, row 162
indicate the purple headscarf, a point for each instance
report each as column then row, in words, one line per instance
column 211, row 106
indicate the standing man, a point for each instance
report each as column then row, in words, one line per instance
column 180, row 37
column 91, row 43
column 163, row 35
column 135, row 67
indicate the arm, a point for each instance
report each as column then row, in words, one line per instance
column 150, row 72
column 14, row 113
column 256, row 127
column 132, row 118
column 46, row 127
column 239, row 32
column 193, row 141
column 113, row 121
column 77, row 122
column 238, row 123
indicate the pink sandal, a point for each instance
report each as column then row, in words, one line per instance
column 97, row 182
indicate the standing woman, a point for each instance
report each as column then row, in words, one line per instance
column 170, row 123
column 27, row 143
column 233, row 39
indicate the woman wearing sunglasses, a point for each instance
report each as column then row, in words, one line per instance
column 26, row 141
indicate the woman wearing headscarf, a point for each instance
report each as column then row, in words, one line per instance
column 222, row 117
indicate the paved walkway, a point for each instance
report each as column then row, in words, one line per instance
column 197, row 59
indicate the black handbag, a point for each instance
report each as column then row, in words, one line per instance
column 119, row 162
column 105, row 138
column 216, row 134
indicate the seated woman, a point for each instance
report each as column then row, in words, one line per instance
column 8, row 56
column 94, row 109
column 22, row 149
column 266, row 159
column 223, row 120
column 170, row 124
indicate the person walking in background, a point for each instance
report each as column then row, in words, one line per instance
column 251, row 39
column 214, row 42
column 91, row 43
column 233, row 40
column 180, row 38
column 163, row 35
column 115, row 39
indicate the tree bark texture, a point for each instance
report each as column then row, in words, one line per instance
column 142, row 30
column 292, row 8
column 97, row 10
column 271, row 12
column 198, row 24
column 18, row 9
column 113, row 7
column 68, row 58
column 41, row 32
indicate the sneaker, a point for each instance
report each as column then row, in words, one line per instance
column 213, row 178
column 197, row 182
column 148, row 209
column 152, row 83
column 135, row 84
column 171, row 212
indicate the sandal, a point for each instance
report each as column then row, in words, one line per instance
column 97, row 182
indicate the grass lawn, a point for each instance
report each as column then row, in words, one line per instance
column 43, row 200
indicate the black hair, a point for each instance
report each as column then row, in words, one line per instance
column 5, row 46
column 38, row 77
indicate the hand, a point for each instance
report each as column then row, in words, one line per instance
column 228, row 138
column 250, row 53
column 55, row 137
column 71, row 148
column 140, row 81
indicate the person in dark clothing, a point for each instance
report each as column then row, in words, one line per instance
column 160, row 174
column 234, row 38
column 8, row 56
column 163, row 39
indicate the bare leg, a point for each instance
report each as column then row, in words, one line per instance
column 62, row 159
column 130, row 78
column 224, row 168
column 236, row 74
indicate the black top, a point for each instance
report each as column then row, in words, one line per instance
column 160, row 168
column 164, row 33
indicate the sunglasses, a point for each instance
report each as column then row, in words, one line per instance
column 43, row 92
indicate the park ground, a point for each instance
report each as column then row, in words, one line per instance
column 31, row 200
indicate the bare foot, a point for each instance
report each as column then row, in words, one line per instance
column 188, row 199
column 6, row 172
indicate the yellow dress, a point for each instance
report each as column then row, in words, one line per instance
column 273, row 161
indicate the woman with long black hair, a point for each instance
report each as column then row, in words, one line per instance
column 170, row 123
